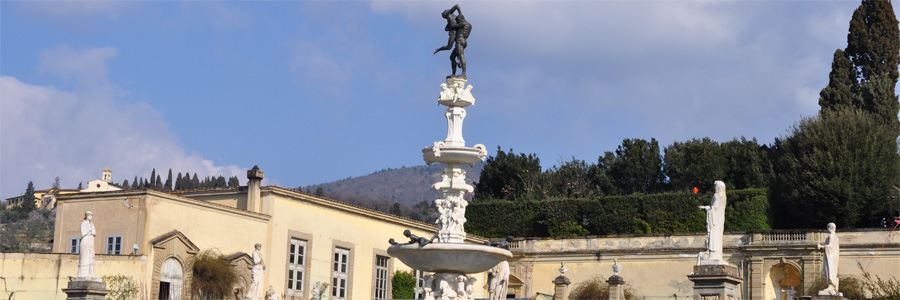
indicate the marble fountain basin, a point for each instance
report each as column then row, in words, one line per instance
column 449, row 257
column 453, row 155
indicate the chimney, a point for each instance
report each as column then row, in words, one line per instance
column 254, row 177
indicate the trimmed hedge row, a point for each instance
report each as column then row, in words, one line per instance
column 632, row 214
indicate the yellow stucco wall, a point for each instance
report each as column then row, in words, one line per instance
column 330, row 224
column 44, row 275
column 658, row 265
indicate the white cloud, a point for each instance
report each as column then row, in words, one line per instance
column 45, row 132
column 88, row 66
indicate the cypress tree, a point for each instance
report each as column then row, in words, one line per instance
column 153, row 178
column 873, row 43
column 168, row 186
column 28, row 198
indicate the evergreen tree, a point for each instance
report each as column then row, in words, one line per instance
column 635, row 167
column 134, row 183
column 839, row 93
column 124, row 184
column 396, row 210
column 220, row 181
column 159, row 184
column 840, row 167
column 574, row 179
column 748, row 164
column 320, row 192
column 233, row 181
column 80, row 185
column 179, row 183
column 508, row 176
column 694, row 163
column 873, row 44
column 195, row 182
column 29, row 198
column 168, row 185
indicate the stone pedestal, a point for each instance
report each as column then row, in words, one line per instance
column 85, row 289
column 716, row 282
column 561, row 288
column 616, row 287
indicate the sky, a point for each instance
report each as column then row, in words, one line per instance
column 316, row 91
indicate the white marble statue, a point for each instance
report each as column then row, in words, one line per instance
column 789, row 294
column 832, row 256
column 426, row 289
column 271, row 294
column 498, row 281
column 616, row 266
column 715, row 227
column 86, row 256
column 256, row 274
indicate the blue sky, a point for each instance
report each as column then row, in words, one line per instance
column 319, row 91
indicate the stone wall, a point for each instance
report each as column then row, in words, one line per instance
column 44, row 275
column 656, row 266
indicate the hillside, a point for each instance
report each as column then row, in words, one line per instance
column 406, row 185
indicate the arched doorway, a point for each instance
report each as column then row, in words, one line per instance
column 782, row 277
column 171, row 276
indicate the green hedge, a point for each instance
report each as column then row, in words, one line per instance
column 632, row 214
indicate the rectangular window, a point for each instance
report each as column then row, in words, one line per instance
column 113, row 244
column 75, row 245
column 296, row 266
column 420, row 283
column 339, row 273
column 381, row 277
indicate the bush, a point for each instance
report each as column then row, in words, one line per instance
column 213, row 277
column 120, row 287
column 403, row 285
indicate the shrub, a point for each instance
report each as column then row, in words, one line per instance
column 403, row 285
column 632, row 214
column 120, row 287
column 213, row 277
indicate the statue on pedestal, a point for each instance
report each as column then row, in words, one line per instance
column 86, row 255
column 498, row 281
column 256, row 274
column 458, row 30
column 832, row 257
column 715, row 227
column 271, row 294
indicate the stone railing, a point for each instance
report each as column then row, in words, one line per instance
column 779, row 237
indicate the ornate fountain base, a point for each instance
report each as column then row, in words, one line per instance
column 448, row 286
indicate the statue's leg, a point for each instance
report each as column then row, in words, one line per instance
column 460, row 47
column 453, row 62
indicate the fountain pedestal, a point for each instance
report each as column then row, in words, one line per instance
column 448, row 257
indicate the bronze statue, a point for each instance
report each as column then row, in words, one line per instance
column 458, row 30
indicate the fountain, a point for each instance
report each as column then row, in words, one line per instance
column 446, row 254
